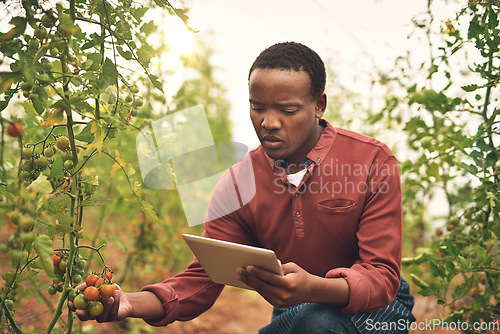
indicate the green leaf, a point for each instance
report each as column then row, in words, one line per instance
column 109, row 74
column 25, row 275
column 41, row 185
column 138, row 13
column 156, row 82
column 43, row 247
column 149, row 211
column 30, row 110
column 86, row 134
column 41, row 103
column 148, row 27
column 464, row 263
column 419, row 282
column 144, row 57
column 470, row 88
column 127, row 55
column 66, row 25
column 65, row 223
column 19, row 24
column 56, row 171
column 433, row 170
column 7, row 79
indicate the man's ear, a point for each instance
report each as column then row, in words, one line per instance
column 320, row 105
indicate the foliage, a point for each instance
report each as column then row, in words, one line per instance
column 448, row 109
column 78, row 78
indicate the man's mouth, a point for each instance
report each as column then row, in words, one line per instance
column 271, row 141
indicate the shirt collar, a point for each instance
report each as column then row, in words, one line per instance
column 318, row 153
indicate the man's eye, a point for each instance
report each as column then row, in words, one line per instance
column 256, row 108
column 289, row 111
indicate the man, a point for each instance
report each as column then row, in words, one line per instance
column 328, row 202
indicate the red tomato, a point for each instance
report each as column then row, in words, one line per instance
column 56, row 259
column 107, row 290
column 12, row 127
column 91, row 293
column 91, row 279
column 99, row 283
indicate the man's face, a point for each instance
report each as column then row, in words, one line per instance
column 284, row 114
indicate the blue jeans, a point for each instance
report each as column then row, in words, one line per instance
column 314, row 318
column 309, row 318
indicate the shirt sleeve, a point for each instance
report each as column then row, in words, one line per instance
column 192, row 292
column 374, row 279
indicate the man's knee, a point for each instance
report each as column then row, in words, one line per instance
column 319, row 318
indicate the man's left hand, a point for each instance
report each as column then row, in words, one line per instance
column 291, row 288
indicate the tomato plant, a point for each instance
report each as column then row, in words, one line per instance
column 449, row 113
column 63, row 65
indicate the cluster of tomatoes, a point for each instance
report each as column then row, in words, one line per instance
column 22, row 218
column 35, row 163
column 98, row 288
column 60, row 261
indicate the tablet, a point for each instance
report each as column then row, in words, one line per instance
column 221, row 258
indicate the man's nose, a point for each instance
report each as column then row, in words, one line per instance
column 271, row 121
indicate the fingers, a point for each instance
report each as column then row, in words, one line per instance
column 113, row 312
column 106, row 313
column 82, row 315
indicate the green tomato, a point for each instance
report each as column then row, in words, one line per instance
column 4, row 248
column 52, row 290
column 68, row 164
column 66, row 155
column 41, row 162
column 73, row 293
column 80, row 302
column 26, row 153
column 63, row 265
column 15, row 216
column 47, row 21
column 95, row 308
column 77, row 278
column 41, row 33
column 33, row 44
column 62, row 143
column 17, row 255
column 26, row 237
column 48, row 152
column 26, row 223
column 27, row 165
column 54, row 52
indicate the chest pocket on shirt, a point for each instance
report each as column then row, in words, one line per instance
column 337, row 205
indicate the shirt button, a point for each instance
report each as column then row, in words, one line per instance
column 318, row 161
column 278, row 163
column 297, row 214
column 296, row 194
column 283, row 180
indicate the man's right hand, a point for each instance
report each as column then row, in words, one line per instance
column 116, row 308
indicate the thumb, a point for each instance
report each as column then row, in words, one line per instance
column 289, row 267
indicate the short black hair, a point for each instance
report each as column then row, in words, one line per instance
column 296, row 56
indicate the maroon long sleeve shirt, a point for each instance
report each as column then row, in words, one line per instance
column 343, row 220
